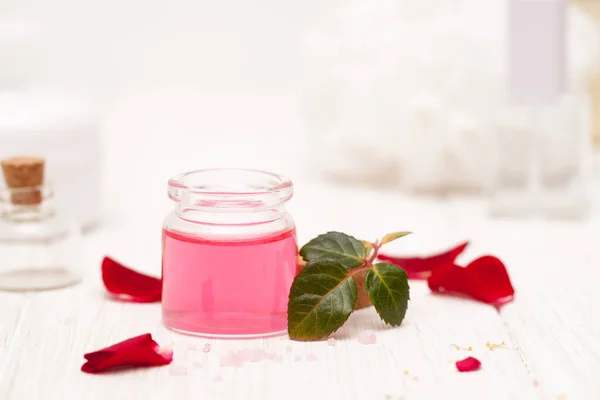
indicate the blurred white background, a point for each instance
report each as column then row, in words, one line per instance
column 179, row 85
column 184, row 84
column 115, row 47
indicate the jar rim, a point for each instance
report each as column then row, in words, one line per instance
column 230, row 188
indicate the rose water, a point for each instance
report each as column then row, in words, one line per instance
column 237, row 287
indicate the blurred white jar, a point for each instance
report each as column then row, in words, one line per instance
column 59, row 126
column 406, row 90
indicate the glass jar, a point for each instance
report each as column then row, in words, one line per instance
column 38, row 247
column 229, row 253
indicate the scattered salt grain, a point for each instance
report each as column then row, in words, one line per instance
column 298, row 358
column 288, row 348
column 240, row 357
column 197, row 364
column 367, row 338
column 311, row 357
column 234, row 359
column 256, row 355
column 331, row 342
column 206, row 347
column 218, row 378
column 191, row 347
column 177, row 370
column 244, row 354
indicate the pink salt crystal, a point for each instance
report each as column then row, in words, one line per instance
column 367, row 338
column 177, row 370
column 234, row 359
column 191, row 347
column 288, row 348
column 311, row 357
column 278, row 358
column 225, row 360
column 206, row 347
column 331, row 342
column 256, row 355
column 244, row 354
column 297, row 358
column 218, row 378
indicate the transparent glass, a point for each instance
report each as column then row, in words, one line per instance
column 229, row 253
column 38, row 248
column 542, row 160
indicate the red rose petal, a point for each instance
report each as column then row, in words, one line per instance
column 127, row 284
column 449, row 279
column 485, row 279
column 468, row 364
column 421, row 267
column 140, row 351
column 490, row 282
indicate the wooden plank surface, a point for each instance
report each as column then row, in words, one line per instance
column 551, row 335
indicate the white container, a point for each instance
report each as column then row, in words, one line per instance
column 542, row 132
column 406, row 90
column 64, row 131
column 59, row 127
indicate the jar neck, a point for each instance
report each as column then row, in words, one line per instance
column 28, row 204
column 230, row 196
column 227, row 216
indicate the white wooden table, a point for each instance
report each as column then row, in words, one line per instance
column 551, row 330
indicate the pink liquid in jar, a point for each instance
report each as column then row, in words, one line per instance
column 227, row 287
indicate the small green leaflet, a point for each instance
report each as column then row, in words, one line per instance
column 390, row 237
column 335, row 246
column 368, row 247
column 321, row 299
column 387, row 286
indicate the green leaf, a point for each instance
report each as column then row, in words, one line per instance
column 390, row 237
column 335, row 246
column 322, row 298
column 387, row 286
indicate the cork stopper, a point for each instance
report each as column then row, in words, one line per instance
column 24, row 176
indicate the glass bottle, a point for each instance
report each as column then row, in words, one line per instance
column 541, row 132
column 229, row 253
column 38, row 248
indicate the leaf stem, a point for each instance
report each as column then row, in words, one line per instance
column 368, row 263
column 358, row 270
column 377, row 245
